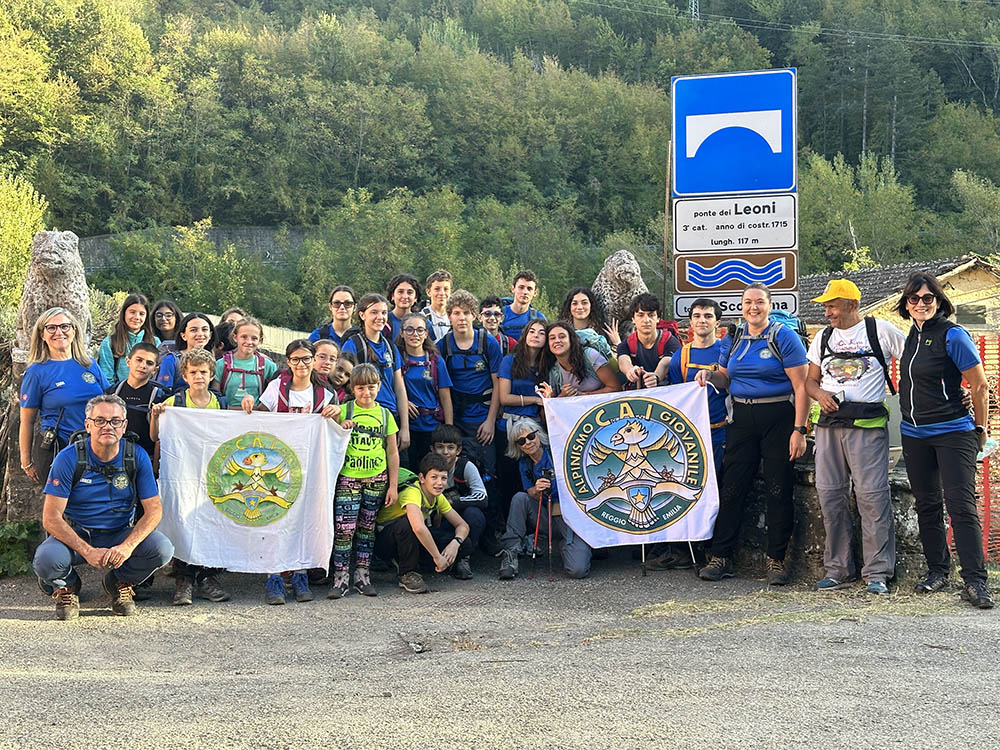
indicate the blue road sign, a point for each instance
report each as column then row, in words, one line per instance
column 734, row 133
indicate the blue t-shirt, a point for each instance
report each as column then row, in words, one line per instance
column 471, row 375
column 386, row 365
column 514, row 323
column 326, row 332
column 754, row 371
column 716, row 398
column 532, row 472
column 169, row 374
column 518, row 387
column 64, row 385
column 420, row 389
column 90, row 505
column 960, row 347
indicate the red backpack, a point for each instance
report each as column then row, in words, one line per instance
column 228, row 369
column 285, row 384
column 661, row 343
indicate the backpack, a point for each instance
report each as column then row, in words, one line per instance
column 379, row 432
column 876, row 349
column 555, row 374
column 228, row 369
column 533, row 314
column 152, row 394
column 661, row 343
column 366, row 352
column 326, row 332
column 777, row 320
column 79, row 440
column 223, row 402
column 406, row 479
column 408, row 364
column 285, row 383
column 686, row 362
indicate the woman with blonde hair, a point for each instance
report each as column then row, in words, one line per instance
column 59, row 381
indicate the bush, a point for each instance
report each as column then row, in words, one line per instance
column 17, row 543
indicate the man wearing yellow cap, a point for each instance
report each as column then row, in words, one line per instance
column 848, row 375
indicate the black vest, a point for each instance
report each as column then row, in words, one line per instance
column 929, row 381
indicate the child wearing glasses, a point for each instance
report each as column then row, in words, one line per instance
column 490, row 315
column 342, row 303
column 428, row 385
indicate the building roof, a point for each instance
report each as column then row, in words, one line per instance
column 878, row 283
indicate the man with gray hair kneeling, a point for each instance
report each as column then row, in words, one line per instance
column 91, row 496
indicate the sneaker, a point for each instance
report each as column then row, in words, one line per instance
column 670, row 560
column 877, row 587
column 339, row 588
column 831, row 584
column 776, row 573
column 933, row 583
column 183, row 592
column 977, row 594
column 209, row 588
column 300, row 586
column 413, row 582
column 274, row 589
column 363, row 584
column 123, row 600
column 717, row 569
column 462, row 570
column 508, row 564
column 67, row 603
column 318, row 577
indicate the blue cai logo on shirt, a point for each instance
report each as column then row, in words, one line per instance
column 480, row 366
column 88, row 377
column 765, row 353
column 120, row 481
column 427, row 374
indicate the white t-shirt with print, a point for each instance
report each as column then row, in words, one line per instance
column 860, row 378
column 299, row 402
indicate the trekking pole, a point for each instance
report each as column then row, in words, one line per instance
column 550, row 535
column 534, row 546
column 643, row 545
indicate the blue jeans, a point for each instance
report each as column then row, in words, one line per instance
column 54, row 561
column 444, row 533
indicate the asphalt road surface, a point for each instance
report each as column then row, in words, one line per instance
column 614, row 661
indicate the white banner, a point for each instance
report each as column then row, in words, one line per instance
column 635, row 467
column 252, row 493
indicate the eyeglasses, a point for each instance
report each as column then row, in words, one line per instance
column 915, row 299
column 525, row 438
column 492, row 314
column 163, row 314
column 414, row 331
column 300, row 360
column 115, row 422
column 341, row 303
column 64, row 327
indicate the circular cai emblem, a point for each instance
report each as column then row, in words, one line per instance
column 635, row 464
column 253, row 479
column 480, row 366
column 88, row 377
column 765, row 353
column 120, row 481
column 427, row 374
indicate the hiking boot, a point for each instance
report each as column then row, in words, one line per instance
column 413, row 583
column 462, row 570
column 75, row 585
column 144, row 591
column 183, row 592
column 363, row 584
column 209, row 588
column 123, row 600
column 717, row 569
column 318, row 577
column 878, row 588
column 508, row 564
column 776, row 573
column 933, row 583
column 670, row 560
column 831, row 584
column 67, row 603
column 300, row 586
column 977, row 594
column 274, row 589
column 339, row 588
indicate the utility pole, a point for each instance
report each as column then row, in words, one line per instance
column 695, row 11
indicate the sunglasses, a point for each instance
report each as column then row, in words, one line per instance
column 525, row 438
column 492, row 314
column 161, row 315
column 341, row 303
column 915, row 299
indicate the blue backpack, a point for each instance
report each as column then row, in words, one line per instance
column 778, row 318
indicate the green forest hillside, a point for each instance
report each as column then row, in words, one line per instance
column 477, row 134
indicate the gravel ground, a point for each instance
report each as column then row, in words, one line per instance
column 616, row 660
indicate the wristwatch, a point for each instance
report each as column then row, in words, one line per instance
column 980, row 429
column 459, row 540
column 800, row 430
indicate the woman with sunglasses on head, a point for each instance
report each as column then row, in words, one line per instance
column 530, row 509
column 59, row 381
column 134, row 325
column 343, row 301
column 940, row 437
column 166, row 317
column 428, row 385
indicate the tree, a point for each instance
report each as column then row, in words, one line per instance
column 22, row 210
column 980, row 201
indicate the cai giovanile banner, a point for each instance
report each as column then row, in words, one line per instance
column 635, row 467
column 252, row 493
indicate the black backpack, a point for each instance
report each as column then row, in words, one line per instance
column 79, row 441
column 872, row 330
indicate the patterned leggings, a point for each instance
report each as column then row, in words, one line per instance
column 355, row 503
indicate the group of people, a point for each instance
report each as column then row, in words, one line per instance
column 450, row 396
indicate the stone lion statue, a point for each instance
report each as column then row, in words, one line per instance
column 618, row 283
column 55, row 278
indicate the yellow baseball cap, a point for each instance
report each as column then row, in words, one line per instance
column 839, row 289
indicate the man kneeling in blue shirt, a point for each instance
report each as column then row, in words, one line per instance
column 91, row 520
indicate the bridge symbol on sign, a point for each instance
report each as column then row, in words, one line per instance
column 734, row 133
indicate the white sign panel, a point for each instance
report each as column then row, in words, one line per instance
column 739, row 222
column 730, row 303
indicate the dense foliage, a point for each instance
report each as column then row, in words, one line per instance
column 479, row 134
